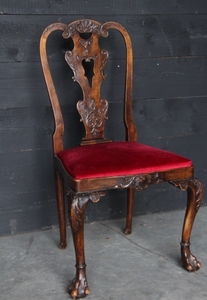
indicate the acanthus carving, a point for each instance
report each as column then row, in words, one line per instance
column 192, row 184
column 86, row 44
column 92, row 116
column 71, row 63
column 139, row 182
column 78, row 205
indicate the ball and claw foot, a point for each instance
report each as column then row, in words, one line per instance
column 62, row 246
column 127, row 231
column 188, row 260
column 78, row 288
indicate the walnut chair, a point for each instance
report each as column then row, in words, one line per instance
column 99, row 164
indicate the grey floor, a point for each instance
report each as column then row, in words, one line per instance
column 143, row 265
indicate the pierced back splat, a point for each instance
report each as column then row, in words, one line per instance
column 93, row 108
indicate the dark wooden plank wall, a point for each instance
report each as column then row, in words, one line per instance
column 170, row 87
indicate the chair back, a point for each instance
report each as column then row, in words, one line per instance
column 87, row 61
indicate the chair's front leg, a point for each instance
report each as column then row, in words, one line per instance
column 195, row 195
column 79, row 286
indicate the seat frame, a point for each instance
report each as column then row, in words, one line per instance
column 93, row 111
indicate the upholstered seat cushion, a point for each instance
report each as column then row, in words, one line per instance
column 117, row 159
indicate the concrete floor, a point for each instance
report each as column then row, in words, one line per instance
column 143, row 265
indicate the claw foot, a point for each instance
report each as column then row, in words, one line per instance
column 188, row 260
column 62, row 246
column 127, row 231
column 79, row 287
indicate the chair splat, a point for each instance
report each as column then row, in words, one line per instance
column 93, row 108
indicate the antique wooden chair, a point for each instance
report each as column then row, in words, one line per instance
column 99, row 164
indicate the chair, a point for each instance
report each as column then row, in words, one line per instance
column 99, row 164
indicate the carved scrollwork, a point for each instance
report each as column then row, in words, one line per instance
column 84, row 26
column 71, row 63
column 140, row 182
column 86, row 58
column 92, row 116
column 78, row 205
column 192, row 184
column 87, row 26
column 93, row 108
column 86, row 44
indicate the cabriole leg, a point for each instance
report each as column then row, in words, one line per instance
column 61, row 209
column 130, row 209
column 77, row 205
column 195, row 195
column 79, row 286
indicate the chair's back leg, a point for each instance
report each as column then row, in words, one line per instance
column 61, row 209
column 130, row 209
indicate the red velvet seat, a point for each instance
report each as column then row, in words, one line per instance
column 118, row 159
column 88, row 171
